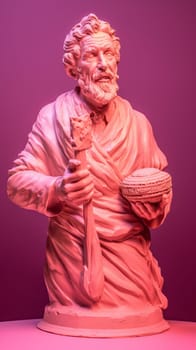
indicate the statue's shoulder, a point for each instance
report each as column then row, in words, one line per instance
column 139, row 117
column 143, row 122
column 54, row 107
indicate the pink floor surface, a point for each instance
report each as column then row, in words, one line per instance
column 24, row 335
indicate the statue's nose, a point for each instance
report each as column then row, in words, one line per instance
column 102, row 64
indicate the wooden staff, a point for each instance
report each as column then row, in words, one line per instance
column 92, row 278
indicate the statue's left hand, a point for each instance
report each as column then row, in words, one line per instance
column 153, row 214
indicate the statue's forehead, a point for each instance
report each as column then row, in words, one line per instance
column 99, row 39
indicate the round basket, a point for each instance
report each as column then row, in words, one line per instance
column 146, row 185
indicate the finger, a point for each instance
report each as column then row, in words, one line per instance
column 84, row 200
column 76, row 176
column 83, row 184
column 138, row 209
column 81, row 196
column 146, row 210
column 73, row 165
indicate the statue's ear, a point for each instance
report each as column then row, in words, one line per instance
column 71, row 72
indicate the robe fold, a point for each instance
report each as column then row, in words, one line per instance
column 132, row 276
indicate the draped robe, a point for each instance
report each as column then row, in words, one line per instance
column 132, row 276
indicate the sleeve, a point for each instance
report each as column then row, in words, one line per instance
column 153, row 214
column 31, row 180
column 150, row 154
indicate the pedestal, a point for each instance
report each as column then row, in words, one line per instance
column 107, row 323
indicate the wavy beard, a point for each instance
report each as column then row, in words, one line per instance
column 98, row 93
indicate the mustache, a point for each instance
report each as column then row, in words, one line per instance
column 104, row 75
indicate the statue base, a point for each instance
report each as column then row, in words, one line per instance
column 107, row 323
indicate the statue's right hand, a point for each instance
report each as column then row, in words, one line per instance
column 76, row 185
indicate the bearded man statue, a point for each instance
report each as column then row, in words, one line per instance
column 101, row 277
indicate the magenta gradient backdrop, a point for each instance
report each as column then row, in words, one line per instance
column 157, row 75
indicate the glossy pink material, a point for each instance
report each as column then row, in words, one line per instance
column 146, row 185
column 118, row 322
column 100, row 272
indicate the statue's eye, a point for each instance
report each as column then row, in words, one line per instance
column 90, row 54
column 109, row 53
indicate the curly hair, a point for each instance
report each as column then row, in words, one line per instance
column 87, row 26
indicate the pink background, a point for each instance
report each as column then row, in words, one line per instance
column 156, row 75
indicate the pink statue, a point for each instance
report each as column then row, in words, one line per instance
column 101, row 277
